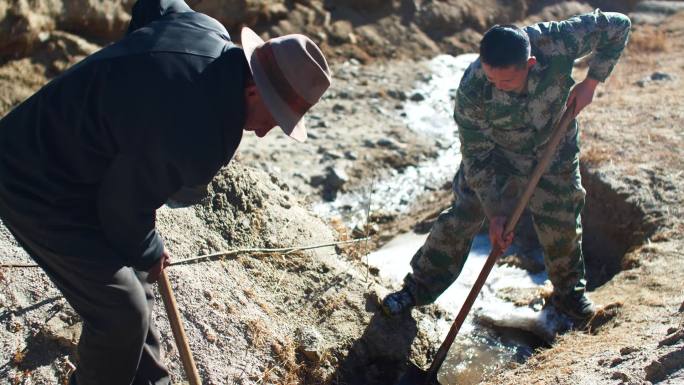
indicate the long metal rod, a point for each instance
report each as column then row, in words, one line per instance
column 226, row 253
column 496, row 252
column 177, row 329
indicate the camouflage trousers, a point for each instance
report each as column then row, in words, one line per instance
column 555, row 208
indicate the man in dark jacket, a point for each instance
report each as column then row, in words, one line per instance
column 86, row 161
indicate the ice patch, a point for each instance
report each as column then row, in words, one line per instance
column 545, row 324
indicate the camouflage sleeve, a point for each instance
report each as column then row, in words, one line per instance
column 603, row 34
column 477, row 151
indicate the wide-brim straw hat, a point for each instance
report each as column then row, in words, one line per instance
column 291, row 75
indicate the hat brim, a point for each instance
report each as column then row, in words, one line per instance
column 293, row 125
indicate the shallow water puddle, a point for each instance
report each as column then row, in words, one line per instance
column 477, row 349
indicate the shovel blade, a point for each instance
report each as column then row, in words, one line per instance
column 416, row 376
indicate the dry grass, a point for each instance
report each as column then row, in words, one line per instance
column 257, row 332
column 354, row 251
column 290, row 369
column 18, row 358
column 329, row 306
column 648, row 39
column 343, row 233
column 293, row 261
column 630, row 261
column 267, row 376
column 265, row 307
column 249, row 293
column 231, row 309
column 668, row 234
column 595, row 155
column 603, row 315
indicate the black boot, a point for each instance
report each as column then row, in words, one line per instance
column 398, row 302
column 575, row 305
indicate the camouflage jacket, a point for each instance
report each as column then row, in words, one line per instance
column 503, row 133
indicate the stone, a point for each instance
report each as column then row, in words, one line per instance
column 371, row 144
column 672, row 338
column 397, row 94
column 310, row 343
column 317, row 180
column 340, row 32
column 654, row 77
column 616, row 361
column 388, row 143
column 336, row 178
column 283, row 27
column 371, row 36
column 628, row 350
column 655, row 372
column 332, row 155
column 660, row 76
column 361, row 5
column 277, row 11
column 61, row 332
column 417, row 97
column 620, row 376
column 351, row 155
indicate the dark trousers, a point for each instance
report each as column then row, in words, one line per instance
column 119, row 343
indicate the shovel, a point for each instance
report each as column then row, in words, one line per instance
column 416, row 376
column 177, row 329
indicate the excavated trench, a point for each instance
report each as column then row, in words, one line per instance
column 612, row 226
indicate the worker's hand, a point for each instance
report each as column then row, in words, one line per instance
column 582, row 94
column 496, row 235
column 155, row 271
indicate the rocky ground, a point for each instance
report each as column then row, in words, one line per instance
column 309, row 316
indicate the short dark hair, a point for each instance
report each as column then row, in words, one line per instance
column 505, row 45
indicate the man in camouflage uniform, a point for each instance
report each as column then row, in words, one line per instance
column 506, row 108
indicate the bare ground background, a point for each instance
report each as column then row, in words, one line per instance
column 308, row 317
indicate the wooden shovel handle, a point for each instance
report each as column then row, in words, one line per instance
column 177, row 329
column 496, row 252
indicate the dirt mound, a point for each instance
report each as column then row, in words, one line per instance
column 350, row 28
column 24, row 24
column 55, row 52
column 290, row 319
column 558, row 12
column 40, row 39
column 55, row 34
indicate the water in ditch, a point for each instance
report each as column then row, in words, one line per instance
column 477, row 349
column 431, row 116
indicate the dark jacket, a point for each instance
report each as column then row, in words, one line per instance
column 86, row 161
